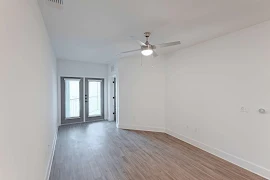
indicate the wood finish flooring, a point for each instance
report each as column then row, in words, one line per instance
column 100, row 151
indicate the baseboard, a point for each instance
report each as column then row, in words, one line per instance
column 49, row 167
column 141, row 128
column 261, row 171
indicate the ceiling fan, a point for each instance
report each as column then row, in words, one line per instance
column 148, row 49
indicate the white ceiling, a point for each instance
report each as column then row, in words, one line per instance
column 98, row 30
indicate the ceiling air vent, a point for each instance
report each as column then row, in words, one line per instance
column 60, row 2
column 55, row 3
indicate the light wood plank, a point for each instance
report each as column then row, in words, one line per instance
column 100, row 151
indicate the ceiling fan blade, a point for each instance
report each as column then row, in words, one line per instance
column 138, row 41
column 130, row 51
column 168, row 44
column 155, row 54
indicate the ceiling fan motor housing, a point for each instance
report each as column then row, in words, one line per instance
column 147, row 35
column 147, row 47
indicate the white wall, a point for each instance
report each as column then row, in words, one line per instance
column 27, row 93
column 67, row 68
column 209, row 83
column 141, row 93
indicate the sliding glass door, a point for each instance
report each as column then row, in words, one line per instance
column 94, row 99
column 71, row 100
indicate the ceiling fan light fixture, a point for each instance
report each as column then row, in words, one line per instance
column 147, row 52
column 147, row 49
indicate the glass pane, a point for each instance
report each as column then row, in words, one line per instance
column 72, row 99
column 94, row 101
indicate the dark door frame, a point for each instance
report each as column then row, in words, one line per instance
column 114, row 98
column 65, row 120
column 94, row 118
